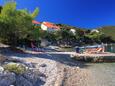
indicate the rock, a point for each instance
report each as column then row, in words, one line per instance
column 17, row 60
column 43, row 78
column 40, row 82
column 21, row 81
column 12, row 85
column 43, row 70
column 32, row 75
column 1, row 69
column 3, row 58
column 30, row 65
column 43, row 65
column 77, row 67
column 6, row 59
column 7, row 78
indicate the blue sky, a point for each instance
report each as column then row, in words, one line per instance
column 81, row 13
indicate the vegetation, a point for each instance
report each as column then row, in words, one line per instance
column 64, row 36
column 15, row 24
column 108, row 31
column 16, row 27
column 15, row 67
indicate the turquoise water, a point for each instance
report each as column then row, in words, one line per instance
column 104, row 73
column 110, row 48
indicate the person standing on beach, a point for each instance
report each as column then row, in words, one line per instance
column 103, row 47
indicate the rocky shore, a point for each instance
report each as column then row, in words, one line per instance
column 42, row 70
column 59, row 74
column 15, row 72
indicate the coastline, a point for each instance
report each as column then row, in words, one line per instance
column 59, row 70
column 59, row 74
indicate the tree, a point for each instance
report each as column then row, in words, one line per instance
column 35, row 13
column 14, row 24
column 0, row 9
column 94, row 37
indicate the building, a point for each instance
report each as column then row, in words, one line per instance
column 49, row 26
column 94, row 30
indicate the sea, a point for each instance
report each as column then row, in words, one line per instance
column 103, row 73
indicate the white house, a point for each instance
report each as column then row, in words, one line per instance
column 95, row 30
column 73, row 31
column 49, row 26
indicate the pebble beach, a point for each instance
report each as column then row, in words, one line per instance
column 58, row 70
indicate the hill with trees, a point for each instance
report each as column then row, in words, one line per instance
column 16, row 27
column 108, row 31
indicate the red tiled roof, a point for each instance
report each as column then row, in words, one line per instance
column 35, row 22
column 50, row 25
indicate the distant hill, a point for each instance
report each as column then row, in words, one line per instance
column 108, row 31
column 70, row 27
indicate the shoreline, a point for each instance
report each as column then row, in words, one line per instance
column 59, row 70
column 64, row 75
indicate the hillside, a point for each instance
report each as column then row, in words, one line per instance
column 108, row 31
column 70, row 27
column 65, row 26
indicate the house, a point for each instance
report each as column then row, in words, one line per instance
column 73, row 31
column 94, row 30
column 36, row 22
column 49, row 26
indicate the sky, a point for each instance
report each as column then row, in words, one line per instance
column 80, row 13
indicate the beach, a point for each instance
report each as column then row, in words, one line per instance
column 59, row 74
column 47, row 45
column 59, row 70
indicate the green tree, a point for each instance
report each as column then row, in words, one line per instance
column 14, row 24
column 35, row 13
column 94, row 37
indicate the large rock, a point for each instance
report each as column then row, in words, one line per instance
column 29, row 65
column 3, row 58
column 32, row 75
column 1, row 69
column 14, row 59
column 21, row 81
column 9, row 59
column 7, row 79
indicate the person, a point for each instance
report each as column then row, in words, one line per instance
column 77, row 50
column 103, row 50
column 33, row 45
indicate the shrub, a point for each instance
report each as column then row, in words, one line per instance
column 15, row 67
